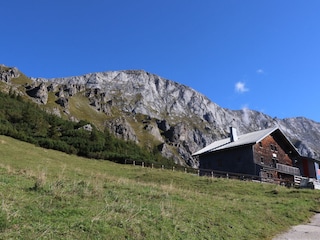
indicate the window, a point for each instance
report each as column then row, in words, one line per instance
column 273, row 148
column 274, row 162
column 262, row 160
column 260, row 144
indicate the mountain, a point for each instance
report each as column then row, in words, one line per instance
column 152, row 111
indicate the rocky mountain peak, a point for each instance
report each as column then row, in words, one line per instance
column 176, row 118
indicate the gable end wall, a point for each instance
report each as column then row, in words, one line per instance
column 268, row 154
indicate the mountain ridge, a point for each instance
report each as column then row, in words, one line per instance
column 151, row 110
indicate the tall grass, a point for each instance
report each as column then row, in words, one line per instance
column 50, row 195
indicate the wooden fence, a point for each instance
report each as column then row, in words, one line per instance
column 209, row 172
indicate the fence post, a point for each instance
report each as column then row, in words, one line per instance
column 212, row 174
column 162, row 167
column 173, row 168
column 227, row 175
column 142, row 165
column 185, row 170
column 134, row 163
column 198, row 172
column 151, row 165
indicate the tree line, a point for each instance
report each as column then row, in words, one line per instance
column 26, row 121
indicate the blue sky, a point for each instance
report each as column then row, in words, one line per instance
column 258, row 54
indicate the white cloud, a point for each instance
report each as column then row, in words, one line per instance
column 240, row 87
column 260, row 71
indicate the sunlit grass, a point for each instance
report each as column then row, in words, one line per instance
column 80, row 108
column 46, row 194
column 21, row 80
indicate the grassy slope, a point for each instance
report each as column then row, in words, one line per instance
column 21, row 80
column 50, row 195
column 81, row 109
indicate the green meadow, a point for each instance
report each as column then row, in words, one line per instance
column 46, row 194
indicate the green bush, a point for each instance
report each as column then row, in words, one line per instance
column 26, row 121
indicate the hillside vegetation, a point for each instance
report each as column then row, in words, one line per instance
column 46, row 194
column 28, row 122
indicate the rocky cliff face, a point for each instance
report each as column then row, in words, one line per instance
column 6, row 73
column 160, row 113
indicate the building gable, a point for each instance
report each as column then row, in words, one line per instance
column 272, row 150
column 266, row 153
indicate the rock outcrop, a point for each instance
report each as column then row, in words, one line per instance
column 122, row 129
column 39, row 93
column 7, row 73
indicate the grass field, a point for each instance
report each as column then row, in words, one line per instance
column 46, row 194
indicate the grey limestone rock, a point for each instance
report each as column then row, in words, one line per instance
column 122, row 129
column 39, row 93
column 186, row 120
column 7, row 73
column 63, row 102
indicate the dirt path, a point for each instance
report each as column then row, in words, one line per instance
column 310, row 231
